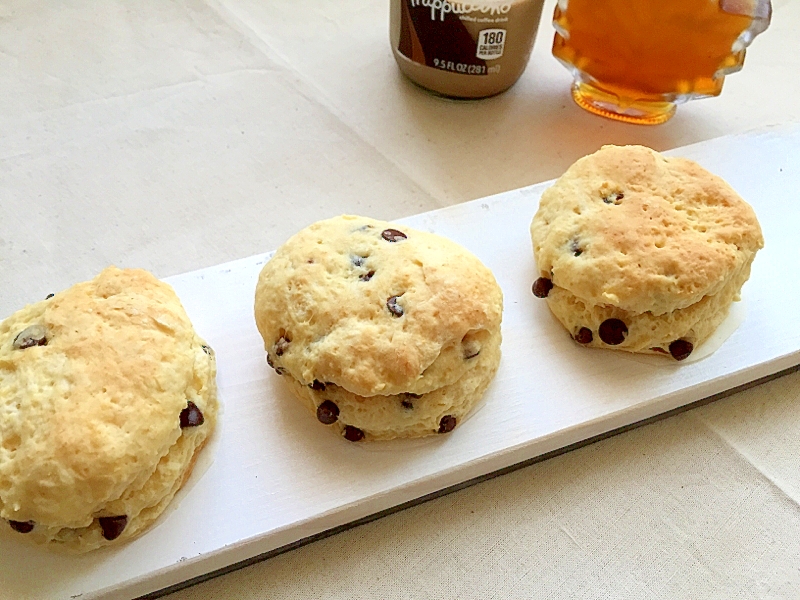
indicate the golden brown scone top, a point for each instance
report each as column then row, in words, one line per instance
column 345, row 302
column 629, row 228
column 87, row 416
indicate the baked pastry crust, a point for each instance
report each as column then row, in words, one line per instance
column 376, row 310
column 90, row 419
column 658, row 243
column 406, row 415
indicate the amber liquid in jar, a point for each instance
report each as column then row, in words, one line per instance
column 641, row 56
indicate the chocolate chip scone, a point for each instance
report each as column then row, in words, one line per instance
column 642, row 253
column 107, row 395
column 381, row 331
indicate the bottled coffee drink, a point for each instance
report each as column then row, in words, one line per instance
column 464, row 49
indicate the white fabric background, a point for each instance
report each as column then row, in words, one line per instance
column 173, row 135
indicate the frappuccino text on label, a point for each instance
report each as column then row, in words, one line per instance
column 441, row 8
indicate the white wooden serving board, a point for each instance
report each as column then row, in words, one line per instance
column 273, row 475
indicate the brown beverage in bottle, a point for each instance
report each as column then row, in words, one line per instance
column 460, row 49
column 640, row 56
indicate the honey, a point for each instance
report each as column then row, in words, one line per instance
column 637, row 58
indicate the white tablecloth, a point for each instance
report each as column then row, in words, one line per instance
column 177, row 135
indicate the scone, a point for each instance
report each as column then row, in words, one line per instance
column 642, row 253
column 382, row 331
column 107, row 394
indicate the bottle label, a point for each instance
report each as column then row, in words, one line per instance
column 491, row 43
column 454, row 36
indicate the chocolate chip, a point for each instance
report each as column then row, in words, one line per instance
column 613, row 198
column 394, row 307
column 542, row 287
column 282, row 345
column 681, row 349
column 471, row 351
column 360, row 261
column 49, row 296
column 191, row 416
column 392, row 235
column 613, row 331
column 584, row 336
column 271, row 363
column 576, row 248
column 657, row 349
column 34, row 335
column 407, row 397
column 328, row 412
column 353, row 434
column 22, row 526
column 317, row 385
column 113, row 526
column 447, row 424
